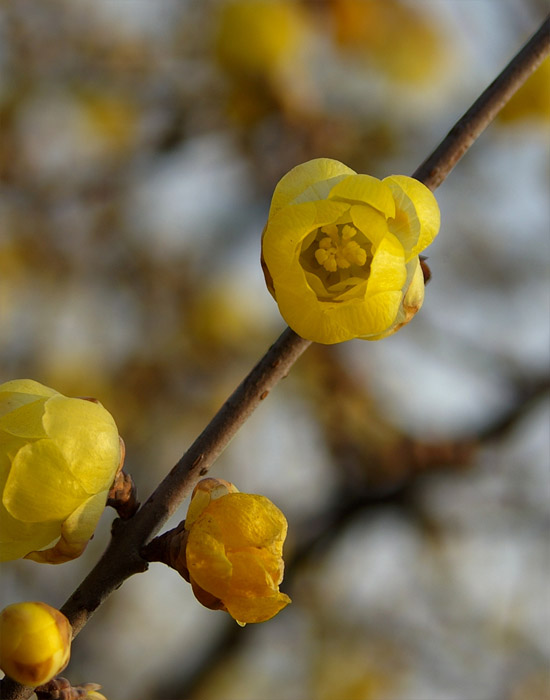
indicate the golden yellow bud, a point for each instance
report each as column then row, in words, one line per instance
column 35, row 642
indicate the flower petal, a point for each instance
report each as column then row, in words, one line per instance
column 26, row 420
column 387, row 270
column 207, row 562
column 18, row 389
column 297, row 180
column 248, row 610
column 417, row 214
column 365, row 189
column 88, row 438
column 76, row 532
column 55, row 493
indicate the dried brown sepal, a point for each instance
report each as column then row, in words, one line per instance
column 169, row 549
column 425, row 269
column 61, row 689
column 123, row 493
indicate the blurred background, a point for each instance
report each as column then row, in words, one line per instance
column 140, row 144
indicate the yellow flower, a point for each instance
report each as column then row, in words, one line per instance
column 258, row 38
column 400, row 39
column 340, row 250
column 58, row 459
column 35, row 642
column 234, row 551
column 532, row 100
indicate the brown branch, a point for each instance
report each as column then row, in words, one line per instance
column 436, row 167
column 122, row 559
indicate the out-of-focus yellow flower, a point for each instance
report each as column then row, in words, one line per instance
column 234, row 551
column 340, row 250
column 58, row 459
column 398, row 38
column 258, row 38
column 532, row 100
column 35, row 642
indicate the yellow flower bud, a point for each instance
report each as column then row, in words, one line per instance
column 58, row 459
column 35, row 642
column 340, row 250
column 233, row 552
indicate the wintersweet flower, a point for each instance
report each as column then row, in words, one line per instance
column 340, row 250
column 58, row 459
column 258, row 39
column 233, row 551
column 35, row 642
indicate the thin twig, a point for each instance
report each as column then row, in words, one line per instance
column 122, row 559
column 436, row 167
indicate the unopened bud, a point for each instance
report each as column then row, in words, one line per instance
column 35, row 642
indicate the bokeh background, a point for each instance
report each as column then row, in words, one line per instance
column 140, row 143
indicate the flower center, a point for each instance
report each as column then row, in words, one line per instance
column 336, row 259
column 337, row 250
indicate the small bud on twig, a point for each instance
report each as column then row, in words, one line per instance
column 123, row 493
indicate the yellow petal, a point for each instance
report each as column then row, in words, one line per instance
column 205, row 491
column 303, row 176
column 412, row 300
column 329, row 322
column 366, row 190
column 40, row 486
column 76, row 532
column 370, row 222
column 18, row 538
column 248, row 610
column 387, row 270
column 88, row 438
column 22, row 388
column 417, row 215
column 26, row 420
column 207, row 562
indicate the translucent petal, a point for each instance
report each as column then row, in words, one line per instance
column 87, row 436
column 205, row 491
column 365, row 189
column 17, row 538
column 40, row 486
column 25, row 387
column 207, row 562
column 387, row 270
column 256, row 572
column 247, row 610
column 76, row 532
column 246, row 520
column 412, row 300
column 303, row 176
column 329, row 322
column 370, row 222
column 421, row 210
column 26, row 420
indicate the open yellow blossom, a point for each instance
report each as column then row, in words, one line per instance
column 35, row 642
column 234, row 551
column 58, row 459
column 340, row 250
